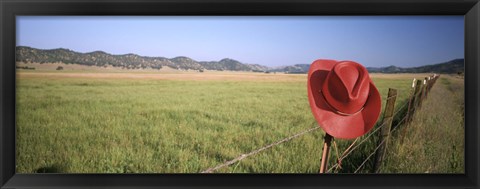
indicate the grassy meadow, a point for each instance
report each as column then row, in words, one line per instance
column 151, row 122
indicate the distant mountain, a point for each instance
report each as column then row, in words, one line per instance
column 128, row 61
column 230, row 64
column 452, row 66
column 297, row 68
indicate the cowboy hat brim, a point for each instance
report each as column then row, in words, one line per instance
column 337, row 125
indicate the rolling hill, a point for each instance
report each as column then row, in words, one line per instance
column 128, row 61
column 297, row 68
column 452, row 66
column 134, row 61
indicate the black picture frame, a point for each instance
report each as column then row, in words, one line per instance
column 9, row 9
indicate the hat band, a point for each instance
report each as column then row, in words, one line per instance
column 337, row 111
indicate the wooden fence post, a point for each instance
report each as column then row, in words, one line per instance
column 424, row 89
column 410, row 100
column 411, row 107
column 422, row 93
column 385, row 130
column 427, row 87
column 415, row 99
column 326, row 152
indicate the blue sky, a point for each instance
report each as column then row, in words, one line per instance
column 376, row 41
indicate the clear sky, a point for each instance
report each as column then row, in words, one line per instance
column 376, row 41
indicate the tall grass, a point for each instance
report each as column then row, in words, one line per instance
column 91, row 125
column 434, row 141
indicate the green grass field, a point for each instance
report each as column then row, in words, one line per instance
column 138, row 123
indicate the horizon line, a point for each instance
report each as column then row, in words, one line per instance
column 183, row 56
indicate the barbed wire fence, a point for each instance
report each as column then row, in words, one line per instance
column 243, row 156
column 419, row 92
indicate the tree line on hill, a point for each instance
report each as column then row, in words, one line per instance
column 128, row 61
column 133, row 61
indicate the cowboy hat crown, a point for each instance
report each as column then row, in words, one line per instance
column 346, row 87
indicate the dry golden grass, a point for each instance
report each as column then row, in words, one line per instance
column 210, row 76
column 48, row 70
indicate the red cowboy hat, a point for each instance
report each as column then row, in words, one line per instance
column 343, row 98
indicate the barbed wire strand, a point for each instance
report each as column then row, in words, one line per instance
column 365, row 139
column 391, row 97
column 353, row 149
column 336, row 149
column 383, row 141
column 339, row 161
column 398, row 124
column 399, row 109
column 243, row 156
column 369, row 156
